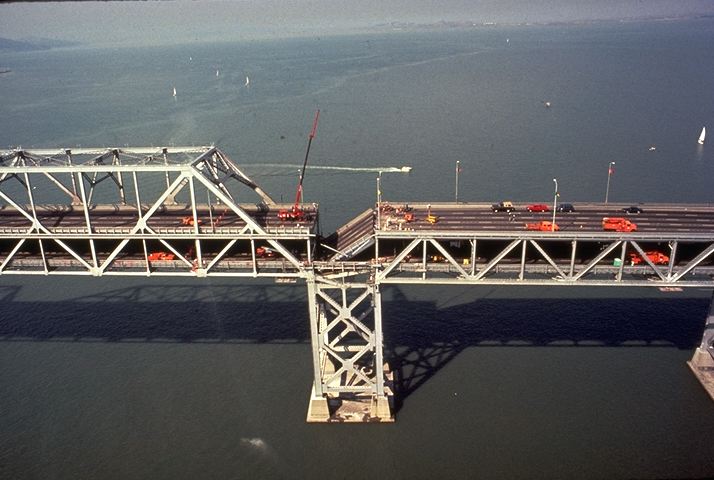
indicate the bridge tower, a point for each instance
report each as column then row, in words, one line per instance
column 352, row 382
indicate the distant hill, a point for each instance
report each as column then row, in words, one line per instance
column 31, row 44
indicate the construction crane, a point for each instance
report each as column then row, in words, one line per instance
column 296, row 213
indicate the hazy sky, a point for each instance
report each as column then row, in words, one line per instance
column 185, row 21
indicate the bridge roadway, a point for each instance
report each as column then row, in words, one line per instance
column 587, row 217
column 656, row 224
column 121, row 218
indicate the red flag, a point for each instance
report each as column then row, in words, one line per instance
column 610, row 171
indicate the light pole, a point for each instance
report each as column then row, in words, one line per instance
column 609, row 173
column 456, row 194
column 555, row 204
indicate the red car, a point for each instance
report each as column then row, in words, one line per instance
column 538, row 207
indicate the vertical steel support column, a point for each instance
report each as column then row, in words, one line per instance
column 380, row 402
column 318, row 409
column 423, row 259
column 347, row 349
column 75, row 200
column 474, row 244
column 702, row 362
column 165, row 153
column 623, row 252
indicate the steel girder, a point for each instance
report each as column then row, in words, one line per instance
column 142, row 185
column 529, row 259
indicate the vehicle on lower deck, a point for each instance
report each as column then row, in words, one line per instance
column 658, row 258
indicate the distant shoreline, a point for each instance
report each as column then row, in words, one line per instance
column 465, row 24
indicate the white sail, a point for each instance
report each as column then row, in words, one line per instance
column 702, row 136
column 247, row 81
column 174, row 91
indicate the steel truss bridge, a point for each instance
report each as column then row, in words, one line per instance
column 192, row 211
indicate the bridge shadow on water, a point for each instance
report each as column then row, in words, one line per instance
column 421, row 337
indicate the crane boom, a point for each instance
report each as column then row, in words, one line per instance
column 296, row 213
column 298, row 194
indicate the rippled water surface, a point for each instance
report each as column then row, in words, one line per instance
column 176, row 378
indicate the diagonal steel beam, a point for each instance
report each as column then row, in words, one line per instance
column 497, row 259
column 597, row 259
column 695, row 262
column 548, row 259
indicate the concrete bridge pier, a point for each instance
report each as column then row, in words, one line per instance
column 702, row 362
column 352, row 383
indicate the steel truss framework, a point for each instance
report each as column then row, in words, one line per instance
column 352, row 381
column 529, row 259
column 142, row 184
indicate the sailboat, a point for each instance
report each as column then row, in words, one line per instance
column 702, row 136
column 247, row 81
column 174, row 91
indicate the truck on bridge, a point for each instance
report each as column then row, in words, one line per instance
column 618, row 224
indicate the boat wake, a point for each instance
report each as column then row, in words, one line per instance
column 403, row 169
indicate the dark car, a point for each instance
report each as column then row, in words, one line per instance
column 632, row 209
column 503, row 207
column 565, row 208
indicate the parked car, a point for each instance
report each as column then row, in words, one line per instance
column 565, row 208
column 538, row 207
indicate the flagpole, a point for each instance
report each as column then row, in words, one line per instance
column 609, row 173
column 456, row 195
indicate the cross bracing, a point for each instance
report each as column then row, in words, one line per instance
column 142, row 211
column 542, row 258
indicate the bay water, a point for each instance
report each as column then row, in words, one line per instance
column 210, row 378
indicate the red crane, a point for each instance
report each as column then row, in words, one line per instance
column 296, row 213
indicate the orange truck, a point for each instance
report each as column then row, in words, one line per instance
column 188, row 221
column 658, row 258
column 543, row 226
column 618, row 224
column 154, row 256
